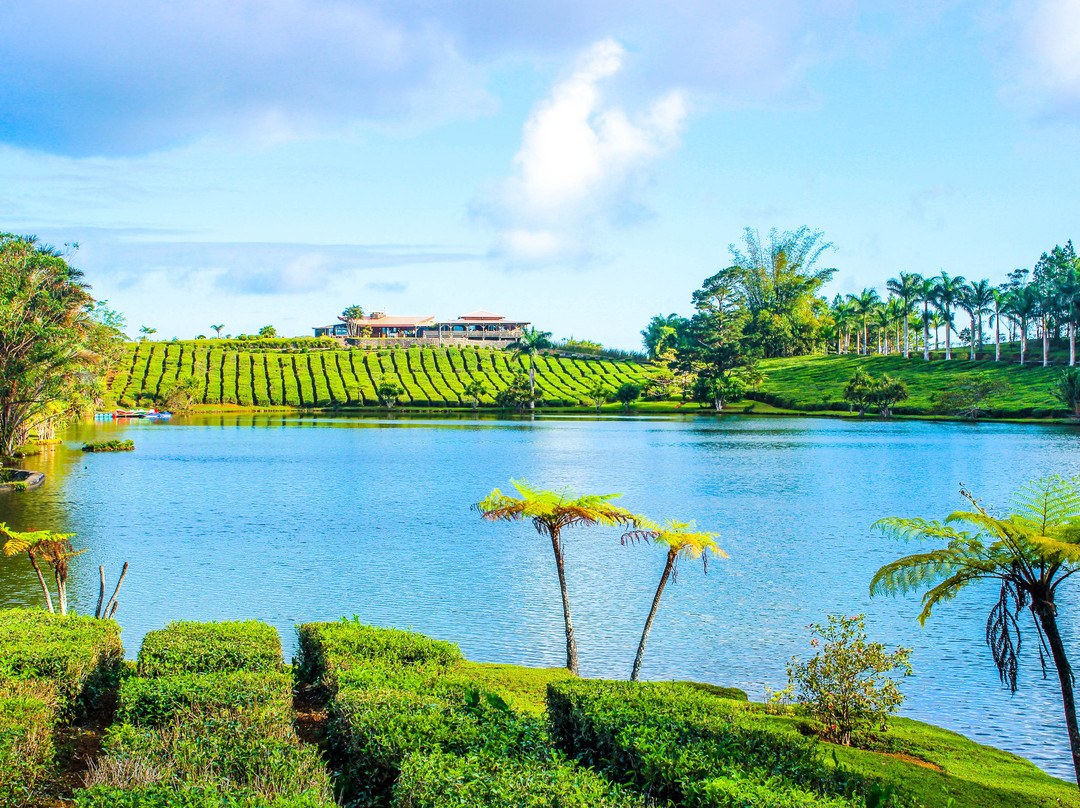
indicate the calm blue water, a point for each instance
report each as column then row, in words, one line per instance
column 290, row 519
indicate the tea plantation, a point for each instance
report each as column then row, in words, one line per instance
column 209, row 717
column 430, row 377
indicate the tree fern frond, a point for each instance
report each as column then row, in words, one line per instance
column 915, row 529
column 1050, row 502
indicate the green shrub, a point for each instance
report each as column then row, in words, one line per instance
column 735, row 789
column 664, row 740
column 28, row 713
column 326, row 648
column 247, row 751
column 80, row 656
column 114, row 445
column 161, row 700
column 732, row 693
column 191, row 797
column 186, row 647
column 486, row 781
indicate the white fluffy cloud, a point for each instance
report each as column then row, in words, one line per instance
column 580, row 161
column 1048, row 72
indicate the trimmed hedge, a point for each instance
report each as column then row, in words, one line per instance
column 690, row 748
column 80, row 656
column 187, row 647
column 114, row 445
column 163, row 699
column 326, row 649
column 486, row 781
column 208, row 724
column 28, row 714
column 167, row 797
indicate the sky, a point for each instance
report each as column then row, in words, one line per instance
column 583, row 166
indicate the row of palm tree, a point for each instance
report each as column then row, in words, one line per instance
column 931, row 303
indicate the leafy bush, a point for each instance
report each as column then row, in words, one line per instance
column 28, row 712
column 163, row 699
column 666, row 741
column 246, row 751
column 114, row 445
column 191, row 797
column 187, row 647
column 80, row 656
column 846, row 684
column 327, row 648
column 479, row 780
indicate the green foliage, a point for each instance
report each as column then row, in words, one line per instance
column 971, row 394
column 597, row 392
column 162, row 700
column 1067, row 390
column 325, row 649
column 627, row 393
column 863, row 390
column 267, row 332
column 439, row 780
column 388, row 391
column 613, row 727
column 518, row 394
column 191, row 797
column 114, row 445
column 847, row 684
column 80, row 656
column 28, row 713
column 187, row 647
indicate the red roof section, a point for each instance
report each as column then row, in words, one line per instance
column 480, row 314
column 392, row 321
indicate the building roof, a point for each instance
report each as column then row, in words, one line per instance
column 392, row 321
column 480, row 314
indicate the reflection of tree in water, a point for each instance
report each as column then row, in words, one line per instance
column 41, row 509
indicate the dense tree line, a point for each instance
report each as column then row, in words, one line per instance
column 767, row 303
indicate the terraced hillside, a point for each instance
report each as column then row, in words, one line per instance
column 329, row 378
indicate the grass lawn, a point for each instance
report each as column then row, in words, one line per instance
column 817, row 382
column 930, row 764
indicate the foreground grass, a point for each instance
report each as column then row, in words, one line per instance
column 817, row 383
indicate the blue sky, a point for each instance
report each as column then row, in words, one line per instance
column 582, row 165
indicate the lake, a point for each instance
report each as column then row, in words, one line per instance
column 290, row 519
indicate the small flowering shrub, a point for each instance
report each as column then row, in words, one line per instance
column 849, row 685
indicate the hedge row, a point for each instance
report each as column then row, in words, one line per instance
column 673, row 743
column 52, row 669
column 429, row 376
column 207, row 723
column 407, row 727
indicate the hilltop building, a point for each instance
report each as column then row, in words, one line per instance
column 380, row 329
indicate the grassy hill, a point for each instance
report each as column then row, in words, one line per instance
column 817, row 382
column 332, row 377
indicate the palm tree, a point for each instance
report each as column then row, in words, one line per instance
column 218, row 329
column 966, row 302
column 1068, row 292
column 1028, row 553
column 530, row 343
column 53, row 548
column 882, row 320
column 1023, row 304
column 927, row 286
column 843, row 313
column 908, row 289
column 147, row 331
column 681, row 541
column 1000, row 298
column 551, row 512
column 947, row 293
column 474, row 390
column 864, row 305
column 980, row 298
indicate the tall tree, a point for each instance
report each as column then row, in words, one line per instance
column 1023, row 304
column 662, row 335
column 927, row 290
column 947, row 293
column 50, row 341
column 552, row 512
column 980, row 300
column 1027, row 552
column 530, row 343
column 681, row 541
column 865, row 303
column 350, row 316
column 907, row 288
column 218, row 328
column 1068, row 293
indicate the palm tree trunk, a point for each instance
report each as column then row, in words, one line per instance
column 636, row 672
column 907, row 341
column 60, row 588
column 532, row 383
column 1047, row 613
column 972, row 355
column 926, row 332
column 997, row 334
column 41, row 580
column 948, row 335
column 1072, row 339
column 1046, row 344
column 571, row 645
column 1023, row 341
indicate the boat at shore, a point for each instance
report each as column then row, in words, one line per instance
column 150, row 415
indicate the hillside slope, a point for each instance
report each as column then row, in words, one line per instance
column 329, row 378
column 817, row 382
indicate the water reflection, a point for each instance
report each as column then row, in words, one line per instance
column 292, row 518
